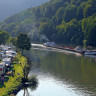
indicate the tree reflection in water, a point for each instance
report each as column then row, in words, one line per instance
column 26, row 93
column 31, row 87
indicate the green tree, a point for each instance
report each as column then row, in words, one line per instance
column 23, row 42
column 59, row 14
column 4, row 37
column 70, row 12
column 84, row 43
column 80, row 11
column 87, row 11
column 13, row 40
column 89, row 29
column 24, row 65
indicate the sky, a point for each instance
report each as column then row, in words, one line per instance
column 10, row 7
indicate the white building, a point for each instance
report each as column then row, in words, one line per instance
column 52, row 44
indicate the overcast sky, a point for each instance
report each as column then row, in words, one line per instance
column 10, row 7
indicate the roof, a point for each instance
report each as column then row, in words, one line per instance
column 6, row 59
column 50, row 44
column 1, row 53
column 78, row 48
column 11, row 52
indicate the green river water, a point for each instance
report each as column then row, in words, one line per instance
column 61, row 73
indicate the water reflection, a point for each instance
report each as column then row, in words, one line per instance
column 25, row 90
column 68, row 73
column 26, row 93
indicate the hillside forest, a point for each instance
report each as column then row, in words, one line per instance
column 61, row 21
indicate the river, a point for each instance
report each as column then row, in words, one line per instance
column 61, row 73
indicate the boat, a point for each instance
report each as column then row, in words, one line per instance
column 90, row 53
column 78, row 49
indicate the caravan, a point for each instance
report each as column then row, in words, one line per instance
column 2, row 68
column 7, row 61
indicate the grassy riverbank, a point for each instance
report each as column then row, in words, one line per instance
column 12, row 83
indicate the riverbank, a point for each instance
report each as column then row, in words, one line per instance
column 13, row 83
column 66, row 49
column 86, row 51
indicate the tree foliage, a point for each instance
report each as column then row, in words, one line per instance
column 23, row 42
column 4, row 37
column 13, row 40
column 62, row 21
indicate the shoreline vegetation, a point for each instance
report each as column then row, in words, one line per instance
column 14, row 83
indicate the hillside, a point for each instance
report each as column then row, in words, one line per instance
column 62, row 21
column 10, row 7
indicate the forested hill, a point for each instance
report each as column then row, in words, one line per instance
column 62, row 21
column 10, row 7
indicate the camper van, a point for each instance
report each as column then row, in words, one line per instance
column 2, row 68
column 11, row 53
column 7, row 61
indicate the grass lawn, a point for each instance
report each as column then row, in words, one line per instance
column 11, row 82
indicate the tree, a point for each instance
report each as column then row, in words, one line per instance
column 84, row 43
column 89, row 29
column 4, row 37
column 59, row 14
column 24, row 65
column 23, row 42
column 87, row 11
column 13, row 40
column 70, row 13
